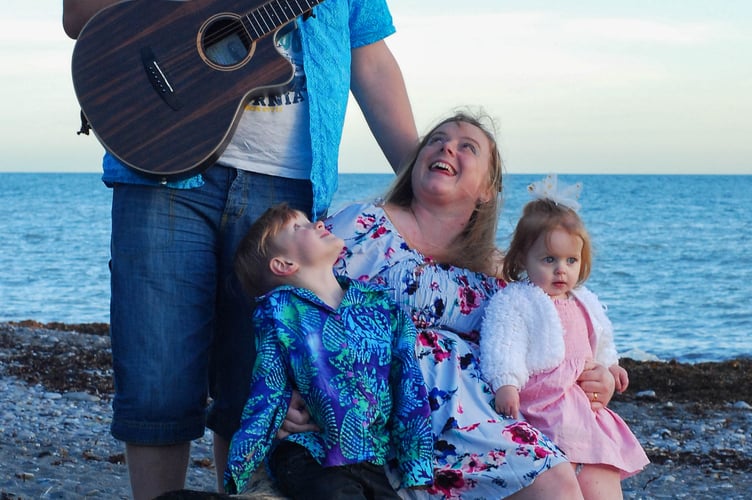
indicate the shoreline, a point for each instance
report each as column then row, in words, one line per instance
column 706, row 383
column 694, row 421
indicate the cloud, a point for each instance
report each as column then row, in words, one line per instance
column 34, row 48
column 541, row 45
column 30, row 32
column 596, row 88
column 636, row 30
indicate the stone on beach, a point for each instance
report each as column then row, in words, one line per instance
column 55, row 396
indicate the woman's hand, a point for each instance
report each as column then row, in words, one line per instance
column 597, row 383
column 297, row 419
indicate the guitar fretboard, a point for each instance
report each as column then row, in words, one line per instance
column 270, row 16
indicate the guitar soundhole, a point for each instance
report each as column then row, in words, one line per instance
column 225, row 43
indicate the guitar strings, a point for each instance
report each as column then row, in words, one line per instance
column 263, row 20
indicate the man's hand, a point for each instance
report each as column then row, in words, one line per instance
column 77, row 12
column 297, row 419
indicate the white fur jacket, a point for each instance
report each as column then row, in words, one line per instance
column 522, row 334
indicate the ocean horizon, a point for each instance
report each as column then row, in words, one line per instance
column 672, row 256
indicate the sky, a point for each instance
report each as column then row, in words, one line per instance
column 642, row 86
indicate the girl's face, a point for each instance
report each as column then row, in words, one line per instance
column 454, row 166
column 553, row 262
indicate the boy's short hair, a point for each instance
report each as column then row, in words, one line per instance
column 257, row 248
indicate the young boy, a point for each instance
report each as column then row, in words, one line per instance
column 348, row 349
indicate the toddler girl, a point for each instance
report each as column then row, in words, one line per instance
column 539, row 332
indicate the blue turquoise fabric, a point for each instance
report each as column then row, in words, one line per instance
column 358, row 374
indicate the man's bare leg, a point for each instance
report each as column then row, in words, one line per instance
column 221, row 451
column 154, row 470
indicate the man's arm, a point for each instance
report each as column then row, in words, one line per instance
column 77, row 12
column 379, row 89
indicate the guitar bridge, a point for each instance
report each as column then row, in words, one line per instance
column 158, row 79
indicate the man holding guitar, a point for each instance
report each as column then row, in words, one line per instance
column 179, row 322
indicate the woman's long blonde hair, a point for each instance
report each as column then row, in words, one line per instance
column 475, row 248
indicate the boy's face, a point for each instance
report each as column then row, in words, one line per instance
column 308, row 243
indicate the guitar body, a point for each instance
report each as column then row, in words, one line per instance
column 163, row 82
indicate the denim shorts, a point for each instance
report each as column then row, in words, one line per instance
column 182, row 341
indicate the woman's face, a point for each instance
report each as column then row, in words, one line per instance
column 453, row 166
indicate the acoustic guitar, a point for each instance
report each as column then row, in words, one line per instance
column 163, row 83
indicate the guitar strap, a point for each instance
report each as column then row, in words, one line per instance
column 85, row 125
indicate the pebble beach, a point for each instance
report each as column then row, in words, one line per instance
column 55, row 415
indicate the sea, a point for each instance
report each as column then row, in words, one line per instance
column 672, row 253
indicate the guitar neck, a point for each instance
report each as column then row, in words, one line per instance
column 267, row 18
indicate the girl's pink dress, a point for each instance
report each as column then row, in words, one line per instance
column 554, row 403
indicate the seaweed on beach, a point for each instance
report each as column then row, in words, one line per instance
column 689, row 423
column 40, row 354
column 702, row 383
column 85, row 366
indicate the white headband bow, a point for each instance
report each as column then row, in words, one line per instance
column 549, row 188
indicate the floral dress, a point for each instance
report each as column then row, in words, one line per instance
column 477, row 453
